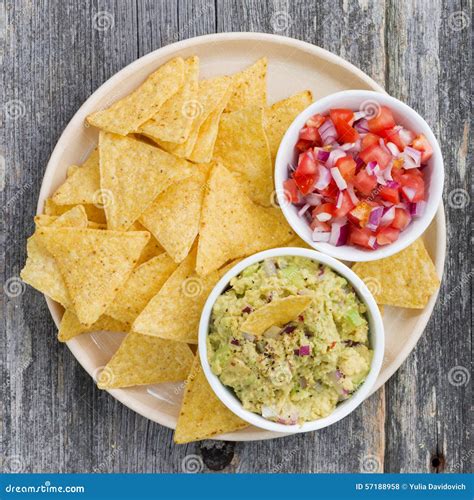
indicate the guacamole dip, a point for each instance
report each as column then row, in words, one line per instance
column 297, row 371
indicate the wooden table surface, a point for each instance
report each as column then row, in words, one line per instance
column 54, row 55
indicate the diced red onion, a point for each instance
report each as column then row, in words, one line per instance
column 313, row 199
column 323, row 216
column 412, row 158
column 358, row 115
column 387, row 217
column 384, row 146
column 393, row 149
column 339, row 234
column 393, row 184
column 340, row 199
column 268, row 412
column 339, row 180
column 380, row 175
column 320, row 236
column 352, row 194
column 347, row 146
column 324, row 178
column 305, row 350
column 406, row 136
column 269, row 267
column 417, row 209
column 291, row 167
column 234, row 342
column 327, row 131
column 248, row 336
column 409, row 192
column 334, row 155
column 372, row 242
column 321, row 154
column 387, row 173
column 370, row 167
column 301, row 211
column 359, row 164
column 362, row 125
column 374, row 218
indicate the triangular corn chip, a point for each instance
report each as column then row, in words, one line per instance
column 152, row 248
column 142, row 360
column 70, row 326
column 249, row 87
column 277, row 313
column 279, row 116
column 202, row 414
column 175, row 311
column 41, row 270
column 127, row 114
column 406, row 279
column 132, row 175
column 142, row 285
column 94, row 212
column 247, row 152
column 94, row 264
column 210, row 94
column 174, row 119
column 81, row 186
column 233, row 226
column 173, row 218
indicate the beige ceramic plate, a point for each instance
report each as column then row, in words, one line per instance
column 293, row 66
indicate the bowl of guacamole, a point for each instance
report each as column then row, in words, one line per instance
column 291, row 340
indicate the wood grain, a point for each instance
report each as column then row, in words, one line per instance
column 54, row 55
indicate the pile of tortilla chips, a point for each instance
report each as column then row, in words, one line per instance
column 178, row 188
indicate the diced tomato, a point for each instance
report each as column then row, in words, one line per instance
column 307, row 165
column 360, row 213
column 347, row 167
column 390, row 194
column 400, row 137
column 376, row 153
column 421, row 143
column 345, row 133
column 365, row 183
column 303, row 145
column 401, row 220
column 369, row 139
column 291, row 191
column 310, row 134
column 330, row 193
column 346, row 205
column 326, row 208
column 387, row 235
column 360, row 237
column 415, row 183
column 316, row 121
column 383, row 121
column 306, row 183
column 344, row 114
column 321, row 226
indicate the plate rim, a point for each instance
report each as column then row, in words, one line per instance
column 123, row 396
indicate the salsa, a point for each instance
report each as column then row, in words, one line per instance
column 359, row 180
column 300, row 370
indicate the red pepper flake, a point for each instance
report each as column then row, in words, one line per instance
column 235, row 342
column 300, row 317
column 332, row 346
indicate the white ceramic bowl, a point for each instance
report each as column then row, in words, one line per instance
column 404, row 115
column 376, row 335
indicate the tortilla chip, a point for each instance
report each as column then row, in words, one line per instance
column 233, row 226
column 210, row 94
column 249, row 87
column 127, row 114
column 173, row 218
column 94, row 213
column 279, row 116
column 94, row 264
column 242, row 147
column 175, row 311
column 406, row 279
column 132, row 175
column 152, row 248
column 70, row 326
column 41, row 270
column 296, row 241
column 71, row 169
column 81, row 186
column 174, row 119
column 202, row 414
column 276, row 313
column 142, row 360
column 144, row 283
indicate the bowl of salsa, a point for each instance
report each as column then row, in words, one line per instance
column 359, row 175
